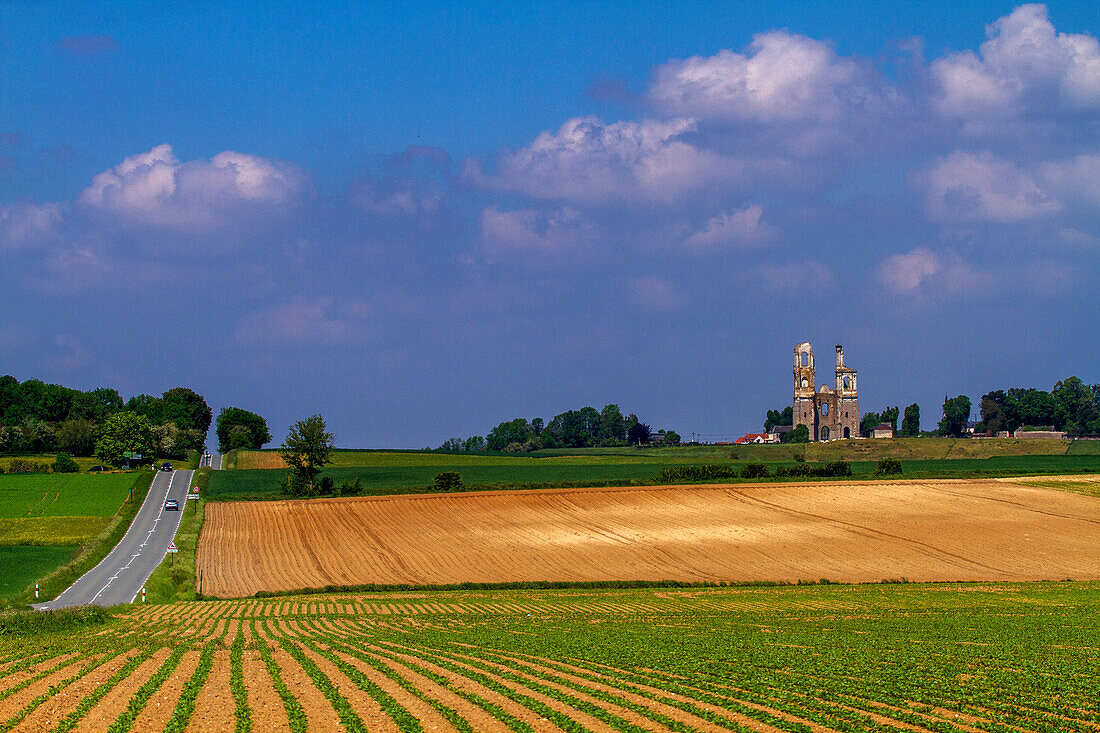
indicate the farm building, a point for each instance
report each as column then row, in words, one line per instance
column 882, row 430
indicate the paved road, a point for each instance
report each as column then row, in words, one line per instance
column 120, row 576
column 214, row 460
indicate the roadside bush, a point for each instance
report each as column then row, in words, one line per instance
column 351, row 488
column 447, row 481
column 754, row 470
column 888, row 467
column 832, row 469
column 689, row 474
column 326, row 486
column 64, row 463
column 22, row 465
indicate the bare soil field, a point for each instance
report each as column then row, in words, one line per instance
column 861, row 531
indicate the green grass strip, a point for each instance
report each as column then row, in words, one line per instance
column 405, row 720
column 536, row 706
column 450, row 714
column 496, row 711
column 185, row 707
column 236, row 684
column 126, row 719
column 296, row 717
column 613, row 720
column 340, row 703
column 54, row 689
column 97, row 694
column 689, row 707
column 34, row 678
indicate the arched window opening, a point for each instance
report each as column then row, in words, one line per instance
column 805, row 383
column 824, row 433
column 805, row 359
column 847, row 383
column 847, row 432
column 824, row 409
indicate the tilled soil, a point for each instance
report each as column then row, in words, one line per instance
column 855, row 531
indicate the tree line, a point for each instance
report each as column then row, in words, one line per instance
column 583, row 428
column 36, row 417
column 1071, row 406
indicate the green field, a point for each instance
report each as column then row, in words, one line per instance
column 21, row 565
column 947, row 658
column 395, row 472
column 63, row 494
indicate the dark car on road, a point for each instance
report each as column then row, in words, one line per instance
column 97, row 469
column 166, row 466
column 171, row 505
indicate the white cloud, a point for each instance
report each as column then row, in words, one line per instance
column 1024, row 63
column 654, row 293
column 921, row 269
column 981, row 187
column 1077, row 178
column 531, row 230
column 25, row 226
column 301, row 321
column 905, row 272
column 785, row 77
column 156, row 189
column 591, row 161
column 740, row 228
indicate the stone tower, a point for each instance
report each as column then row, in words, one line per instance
column 805, row 387
column 828, row 413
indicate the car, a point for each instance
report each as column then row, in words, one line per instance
column 171, row 505
column 166, row 466
column 97, row 469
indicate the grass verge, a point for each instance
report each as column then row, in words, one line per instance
column 174, row 578
column 92, row 552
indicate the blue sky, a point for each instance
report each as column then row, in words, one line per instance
column 423, row 219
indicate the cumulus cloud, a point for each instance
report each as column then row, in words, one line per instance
column 1023, row 64
column 981, row 187
column 156, row 189
column 26, row 226
column 1077, row 178
column 921, row 269
column 784, row 77
column 740, row 228
column 590, row 160
column 531, row 230
column 654, row 293
column 301, row 321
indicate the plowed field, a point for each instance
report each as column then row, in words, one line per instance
column 996, row 658
column 858, row 531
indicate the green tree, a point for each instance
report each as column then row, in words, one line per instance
column 188, row 410
column 639, row 433
column 306, row 450
column 612, row 426
column 992, row 411
column 867, row 423
column 77, row 437
column 1074, row 406
column 956, row 413
column 672, row 438
column 801, row 434
column 890, row 415
column 514, row 431
column 1029, row 407
column 124, row 432
column 910, row 422
column 237, row 428
column 779, row 417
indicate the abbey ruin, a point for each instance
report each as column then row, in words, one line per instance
column 827, row 413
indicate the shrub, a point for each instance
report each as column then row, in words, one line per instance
column 888, row 467
column 447, row 481
column 22, row 465
column 326, row 486
column 64, row 463
column 754, row 470
column 831, row 469
column 351, row 488
column 688, row 474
